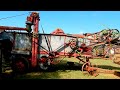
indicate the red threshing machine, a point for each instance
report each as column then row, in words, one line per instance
column 28, row 50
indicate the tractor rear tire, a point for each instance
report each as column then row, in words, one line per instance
column 20, row 65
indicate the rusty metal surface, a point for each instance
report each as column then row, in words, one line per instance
column 95, row 71
column 4, row 35
column 117, row 49
column 58, row 40
column 55, row 41
column 12, row 28
column 22, row 41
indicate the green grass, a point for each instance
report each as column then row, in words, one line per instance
column 62, row 71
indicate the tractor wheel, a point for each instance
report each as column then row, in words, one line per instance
column 20, row 65
column 44, row 63
column 85, row 65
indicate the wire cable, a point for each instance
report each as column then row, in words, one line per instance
column 15, row 16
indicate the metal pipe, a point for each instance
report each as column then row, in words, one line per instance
column 12, row 28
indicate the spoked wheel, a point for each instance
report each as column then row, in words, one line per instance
column 44, row 63
column 20, row 65
column 85, row 66
column 91, row 70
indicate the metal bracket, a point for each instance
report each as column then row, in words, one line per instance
column 35, row 35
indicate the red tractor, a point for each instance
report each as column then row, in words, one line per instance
column 21, row 59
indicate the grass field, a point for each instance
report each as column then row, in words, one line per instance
column 63, row 71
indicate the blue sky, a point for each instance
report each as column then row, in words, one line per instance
column 75, row 22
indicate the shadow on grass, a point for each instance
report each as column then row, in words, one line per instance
column 108, row 67
column 63, row 66
column 53, row 72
